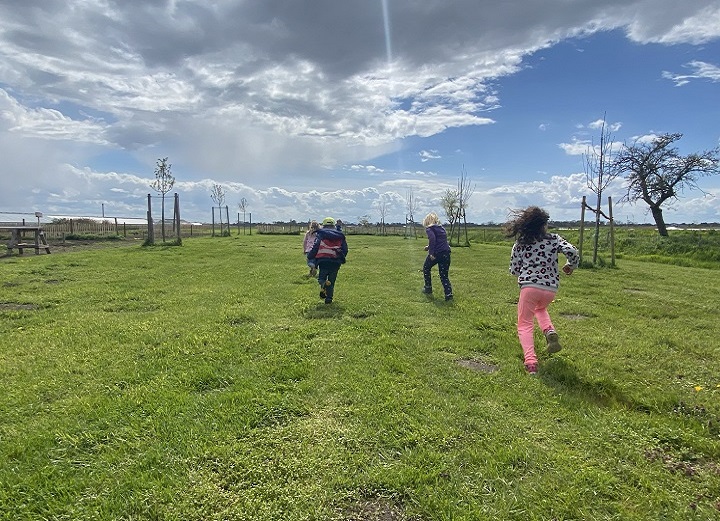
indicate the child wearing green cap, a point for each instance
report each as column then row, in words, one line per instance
column 328, row 252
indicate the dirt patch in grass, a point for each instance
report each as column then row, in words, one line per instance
column 574, row 316
column 374, row 510
column 14, row 306
column 71, row 246
column 688, row 465
column 478, row 365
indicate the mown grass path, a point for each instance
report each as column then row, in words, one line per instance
column 209, row 382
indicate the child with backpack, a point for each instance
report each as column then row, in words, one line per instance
column 329, row 252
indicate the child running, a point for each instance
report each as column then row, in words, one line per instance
column 308, row 242
column 534, row 260
column 438, row 253
column 329, row 252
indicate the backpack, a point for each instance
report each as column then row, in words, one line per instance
column 330, row 248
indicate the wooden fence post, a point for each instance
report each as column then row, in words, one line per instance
column 612, row 233
column 177, row 216
column 151, row 227
column 582, row 228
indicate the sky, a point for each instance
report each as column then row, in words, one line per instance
column 315, row 108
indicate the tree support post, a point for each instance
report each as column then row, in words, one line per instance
column 582, row 227
column 151, row 228
column 177, row 216
column 612, row 233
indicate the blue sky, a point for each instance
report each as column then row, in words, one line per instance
column 308, row 109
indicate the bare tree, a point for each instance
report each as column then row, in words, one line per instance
column 464, row 191
column 217, row 194
column 164, row 182
column 656, row 172
column 243, row 209
column 599, row 173
column 449, row 202
column 411, row 205
column 382, row 207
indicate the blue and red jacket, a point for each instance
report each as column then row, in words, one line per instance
column 330, row 245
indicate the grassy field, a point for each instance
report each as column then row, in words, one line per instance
column 692, row 248
column 209, row 382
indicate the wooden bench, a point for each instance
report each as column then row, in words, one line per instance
column 17, row 238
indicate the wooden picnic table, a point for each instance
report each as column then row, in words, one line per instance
column 18, row 239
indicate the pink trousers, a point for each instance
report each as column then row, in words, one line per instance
column 532, row 305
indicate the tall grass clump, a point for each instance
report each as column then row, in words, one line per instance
column 210, row 382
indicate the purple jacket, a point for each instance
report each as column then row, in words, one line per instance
column 437, row 238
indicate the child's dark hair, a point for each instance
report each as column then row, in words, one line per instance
column 527, row 225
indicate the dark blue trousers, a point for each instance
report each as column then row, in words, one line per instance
column 328, row 271
column 443, row 262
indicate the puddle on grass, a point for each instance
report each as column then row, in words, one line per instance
column 478, row 365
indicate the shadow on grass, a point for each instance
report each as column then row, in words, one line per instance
column 324, row 311
column 439, row 301
column 564, row 378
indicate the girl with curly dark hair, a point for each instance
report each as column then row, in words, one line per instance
column 534, row 260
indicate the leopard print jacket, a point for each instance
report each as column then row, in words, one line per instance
column 536, row 264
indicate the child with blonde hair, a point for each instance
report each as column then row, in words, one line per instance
column 438, row 253
column 534, row 260
column 308, row 243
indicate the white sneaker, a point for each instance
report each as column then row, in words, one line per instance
column 553, row 341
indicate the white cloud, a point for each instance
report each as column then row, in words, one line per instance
column 700, row 71
column 599, row 123
column 577, row 147
column 427, row 155
column 669, row 23
column 276, row 94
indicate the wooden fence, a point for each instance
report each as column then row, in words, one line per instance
column 82, row 228
column 301, row 228
column 85, row 228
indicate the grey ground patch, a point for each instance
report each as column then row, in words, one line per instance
column 374, row 510
column 478, row 365
column 14, row 306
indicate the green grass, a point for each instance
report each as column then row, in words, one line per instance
column 690, row 248
column 209, row 382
